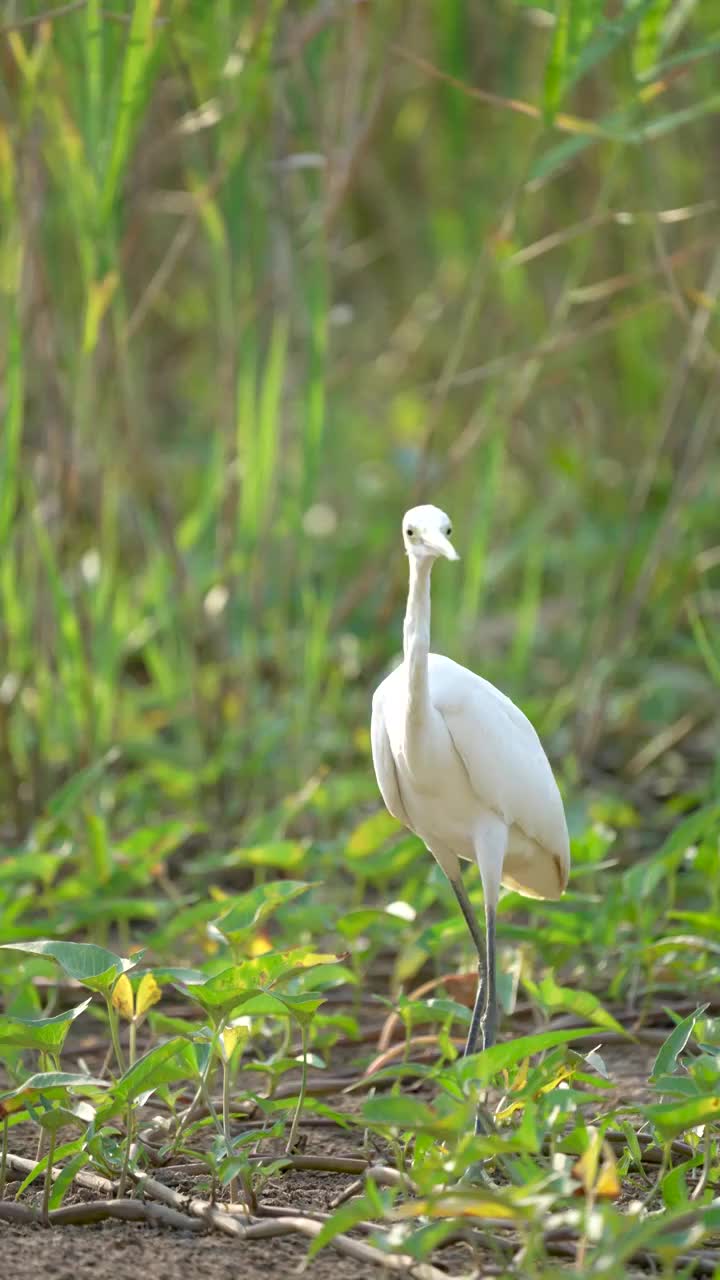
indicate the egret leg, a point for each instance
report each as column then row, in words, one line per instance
column 474, row 1034
column 488, row 1018
column 475, row 1038
column 490, row 848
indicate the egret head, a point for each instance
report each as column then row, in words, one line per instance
column 426, row 534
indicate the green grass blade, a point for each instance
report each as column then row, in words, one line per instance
column 138, row 54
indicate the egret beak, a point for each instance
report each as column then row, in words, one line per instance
column 441, row 545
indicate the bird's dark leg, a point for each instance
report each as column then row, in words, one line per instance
column 488, row 1022
column 475, row 1039
column 476, row 1034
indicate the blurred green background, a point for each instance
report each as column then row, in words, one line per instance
column 273, row 272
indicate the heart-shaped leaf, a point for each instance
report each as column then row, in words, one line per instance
column 92, row 966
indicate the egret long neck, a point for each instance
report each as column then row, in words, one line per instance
column 416, row 644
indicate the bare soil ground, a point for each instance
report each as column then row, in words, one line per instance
column 125, row 1251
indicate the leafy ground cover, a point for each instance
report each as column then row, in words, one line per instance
column 274, row 1090
column 269, row 273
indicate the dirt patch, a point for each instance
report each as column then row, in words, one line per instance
column 629, row 1066
column 126, row 1251
column 123, row 1251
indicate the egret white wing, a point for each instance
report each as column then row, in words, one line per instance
column 383, row 761
column 508, row 772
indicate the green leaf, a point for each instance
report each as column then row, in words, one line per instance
column 66, row 1177
column 369, row 920
column 263, row 1004
column 706, row 50
column 674, row 120
column 138, row 51
column 671, row 1119
column 476, row 1202
column 14, row 396
column 344, row 1219
column 231, row 987
column 283, row 854
column 558, row 156
column 266, row 1004
column 667, row 1057
column 557, row 65
column 250, row 910
column 67, row 1149
column 398, row 1111
column 181, row 923
column 67, row 797
column 182, row 977
column 609, row 36
column 46, row 1034
column 486, row 1064
column 93, row 966
column 674, row 1186
column 165, row 1064
column 582, row 1003
column 57, row 1118
column 642, row 878
column 219, row 994
column 371, row 833
column 231, row 1167
column 649, row 38
column 50, row 1085
column 302, row 1007
column 278, row 966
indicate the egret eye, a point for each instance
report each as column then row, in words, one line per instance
column 448, row 531
column 410, row 532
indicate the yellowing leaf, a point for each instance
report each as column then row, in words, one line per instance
column 598, row 1177
column 209, row 213
column 608, row 1184
column 122, row 997
column 99, row 299
column 7, row 166
column 372, row 832
column 455, row 1206
column 564, row 1073
column 521, row 1077
column 701, row 299
column 148, row 994
column 585, row 1168
column 312, row 958
column 233, row 1036
column 260, row 945
column 20, row 54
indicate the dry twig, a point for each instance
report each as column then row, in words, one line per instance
column 98, row 1211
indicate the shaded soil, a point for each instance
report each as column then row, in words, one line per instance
column 124, row 1251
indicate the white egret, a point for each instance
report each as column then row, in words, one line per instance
column 460, row 765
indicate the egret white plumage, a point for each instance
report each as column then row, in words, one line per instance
column 460, row 765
